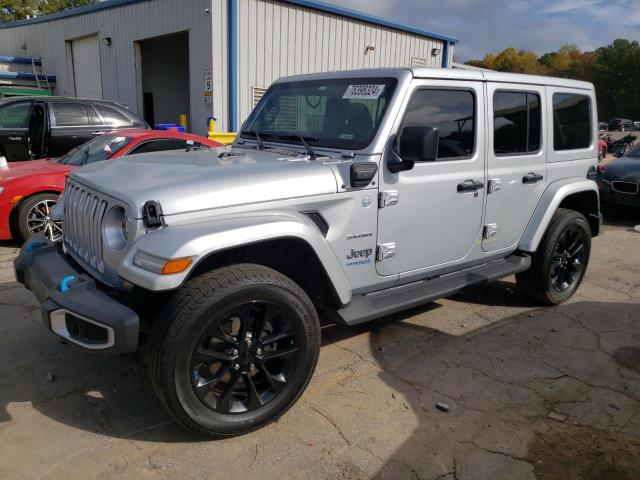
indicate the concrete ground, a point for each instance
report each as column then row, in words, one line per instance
column 547, row 393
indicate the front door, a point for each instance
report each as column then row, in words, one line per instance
column 14, row 130
column 517, row 162
column 437, row 218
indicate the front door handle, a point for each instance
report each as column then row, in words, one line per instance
column 15, row 139
column 532, row 177
column 470, row 186
column 97, row 133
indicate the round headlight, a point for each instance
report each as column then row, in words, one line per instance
column 116, row 230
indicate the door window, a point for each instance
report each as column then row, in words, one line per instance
column 516, row 123
column 160, row 146
column 15, row 115
column 112, row 117
column 452, row 112
column 94, row 119
column 70, row 114
column 571, row 121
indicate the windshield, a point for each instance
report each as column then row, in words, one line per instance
column 634, row 152
column 335, row 113
column 96, row 150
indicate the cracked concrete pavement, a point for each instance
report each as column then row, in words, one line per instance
column 547, row 393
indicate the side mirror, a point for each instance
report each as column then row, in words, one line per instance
column 419, row 144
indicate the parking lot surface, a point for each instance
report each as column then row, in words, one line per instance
column 547, row 393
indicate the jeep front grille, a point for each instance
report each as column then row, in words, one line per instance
column 82, row 227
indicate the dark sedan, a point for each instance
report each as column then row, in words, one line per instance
column 620, row 183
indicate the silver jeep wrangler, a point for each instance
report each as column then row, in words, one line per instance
column 352, row 195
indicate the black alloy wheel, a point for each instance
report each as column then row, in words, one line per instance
column 245, row 358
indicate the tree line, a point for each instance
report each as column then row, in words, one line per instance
column 614, row 70
column 11, row 10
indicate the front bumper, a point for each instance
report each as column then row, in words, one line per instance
column 612, row 199
column 75, row 308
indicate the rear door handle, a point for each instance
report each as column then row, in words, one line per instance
column 532, row 177
column 97, row 133
column 15, row 139
column 470, row 186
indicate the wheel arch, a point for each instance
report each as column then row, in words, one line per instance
column 579, row 195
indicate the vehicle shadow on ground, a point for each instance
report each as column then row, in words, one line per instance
column 500, row 382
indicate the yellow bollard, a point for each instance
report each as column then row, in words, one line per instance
column 183, row 121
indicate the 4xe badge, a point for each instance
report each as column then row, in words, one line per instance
column 359, row 257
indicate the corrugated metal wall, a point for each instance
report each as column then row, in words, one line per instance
column 276, row 39
column 124, row 25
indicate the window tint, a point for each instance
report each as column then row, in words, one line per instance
column 453, row 112
column 516, row 122
column 571, row 121
column 15, row 115
column 70, row 114
column 160, row 146
column 111, row 116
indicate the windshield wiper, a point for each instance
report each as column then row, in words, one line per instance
column 303, row 140
column 258, row 135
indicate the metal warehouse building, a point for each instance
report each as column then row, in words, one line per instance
column 209, row 57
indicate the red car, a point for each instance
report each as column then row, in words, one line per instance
column 30, row 189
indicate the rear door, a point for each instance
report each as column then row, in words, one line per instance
column 14, row 130
column 517, row 161
column 70, row 126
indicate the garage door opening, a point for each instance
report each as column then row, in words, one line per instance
column 164, row 64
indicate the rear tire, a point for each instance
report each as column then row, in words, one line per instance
column 234, row 349
column 559, row 264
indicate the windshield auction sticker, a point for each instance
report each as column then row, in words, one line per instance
column 366, row 92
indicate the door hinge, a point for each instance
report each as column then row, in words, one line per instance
column 388, row 198
column 495, row 184
column 490, row 230
column 385, row 250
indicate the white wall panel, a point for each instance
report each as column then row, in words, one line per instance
column 277, row 39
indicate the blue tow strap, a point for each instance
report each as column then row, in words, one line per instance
column 64, row 284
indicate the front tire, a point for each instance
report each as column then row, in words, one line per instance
column 34, row 216
column 559, row 264
column 234, row 349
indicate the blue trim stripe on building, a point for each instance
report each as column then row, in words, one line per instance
column 20, row 60
column 233, row 64
column 445, row 54
column 346, row 12
column 325, row 7
column 26, row 76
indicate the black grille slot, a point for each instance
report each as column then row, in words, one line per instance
column 319, row 220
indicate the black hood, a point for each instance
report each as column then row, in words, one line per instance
column 623, row 168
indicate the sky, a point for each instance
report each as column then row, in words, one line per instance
column 483, row 26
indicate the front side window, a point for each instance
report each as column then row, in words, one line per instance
column 70, row 114
column 160, row 145
column 516, row 123
column 333, row 113
column 96, row 150
column 571, row 121
column 15, row 115
column 452, row 112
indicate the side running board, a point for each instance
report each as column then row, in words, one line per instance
column 363, row 308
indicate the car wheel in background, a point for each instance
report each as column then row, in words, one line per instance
column 34, row 216
column 234, row 349
column 559, row 264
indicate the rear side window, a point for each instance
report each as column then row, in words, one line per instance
column 112, row 117
column 453, row 112
column 15, row 115
column 70, row 114
column 571, row 121
column 160, row 146
column 516, row 123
